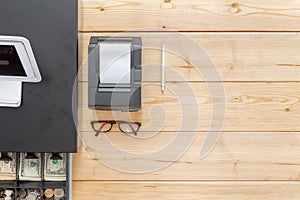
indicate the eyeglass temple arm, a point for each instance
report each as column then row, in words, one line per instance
column 134, row 132
column 99, row 131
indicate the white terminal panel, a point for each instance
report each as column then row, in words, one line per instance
column 17, row 65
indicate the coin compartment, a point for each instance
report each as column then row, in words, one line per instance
column 17, row 185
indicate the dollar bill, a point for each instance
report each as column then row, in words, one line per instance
column 54, row 168
column 8, row 167
column 30, row 167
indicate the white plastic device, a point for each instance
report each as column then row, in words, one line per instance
column 11, row 74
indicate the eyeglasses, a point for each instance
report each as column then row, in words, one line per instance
column 124, row 126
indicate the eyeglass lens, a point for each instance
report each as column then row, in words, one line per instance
column 129, row 127
column 102, row 126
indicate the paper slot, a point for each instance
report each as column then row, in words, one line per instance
column 115, row 62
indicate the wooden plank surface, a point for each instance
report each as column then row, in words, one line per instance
column 249, row 107
column 192, row 15
column 236, row 156
column 258, row 153
column 186, row 190
column 236, row 56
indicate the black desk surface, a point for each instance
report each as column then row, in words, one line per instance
column 44, row 122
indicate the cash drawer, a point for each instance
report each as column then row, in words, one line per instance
column 35, row 176
column 43, row 122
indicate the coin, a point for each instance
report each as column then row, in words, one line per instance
column 31, row 196
column 40, row 192
column 59, row 193
column 1, row 193
column 22, row 193
column 8, row 192
column 48, row 193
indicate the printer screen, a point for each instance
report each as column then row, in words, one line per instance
column 10, row 63
column 115, row 62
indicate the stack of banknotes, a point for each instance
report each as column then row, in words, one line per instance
column 7, row 166
column 55, row 167
column 34, row 166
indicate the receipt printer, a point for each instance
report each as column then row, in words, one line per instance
column 115, row 73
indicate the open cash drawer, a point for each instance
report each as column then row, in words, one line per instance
column 43, row 121
column 35, row 176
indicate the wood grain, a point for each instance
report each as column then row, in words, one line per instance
column 236, row 56
column 236, row 156
column 185, row 190
column 257, row 155
column 248, row 107
column 192, row 15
